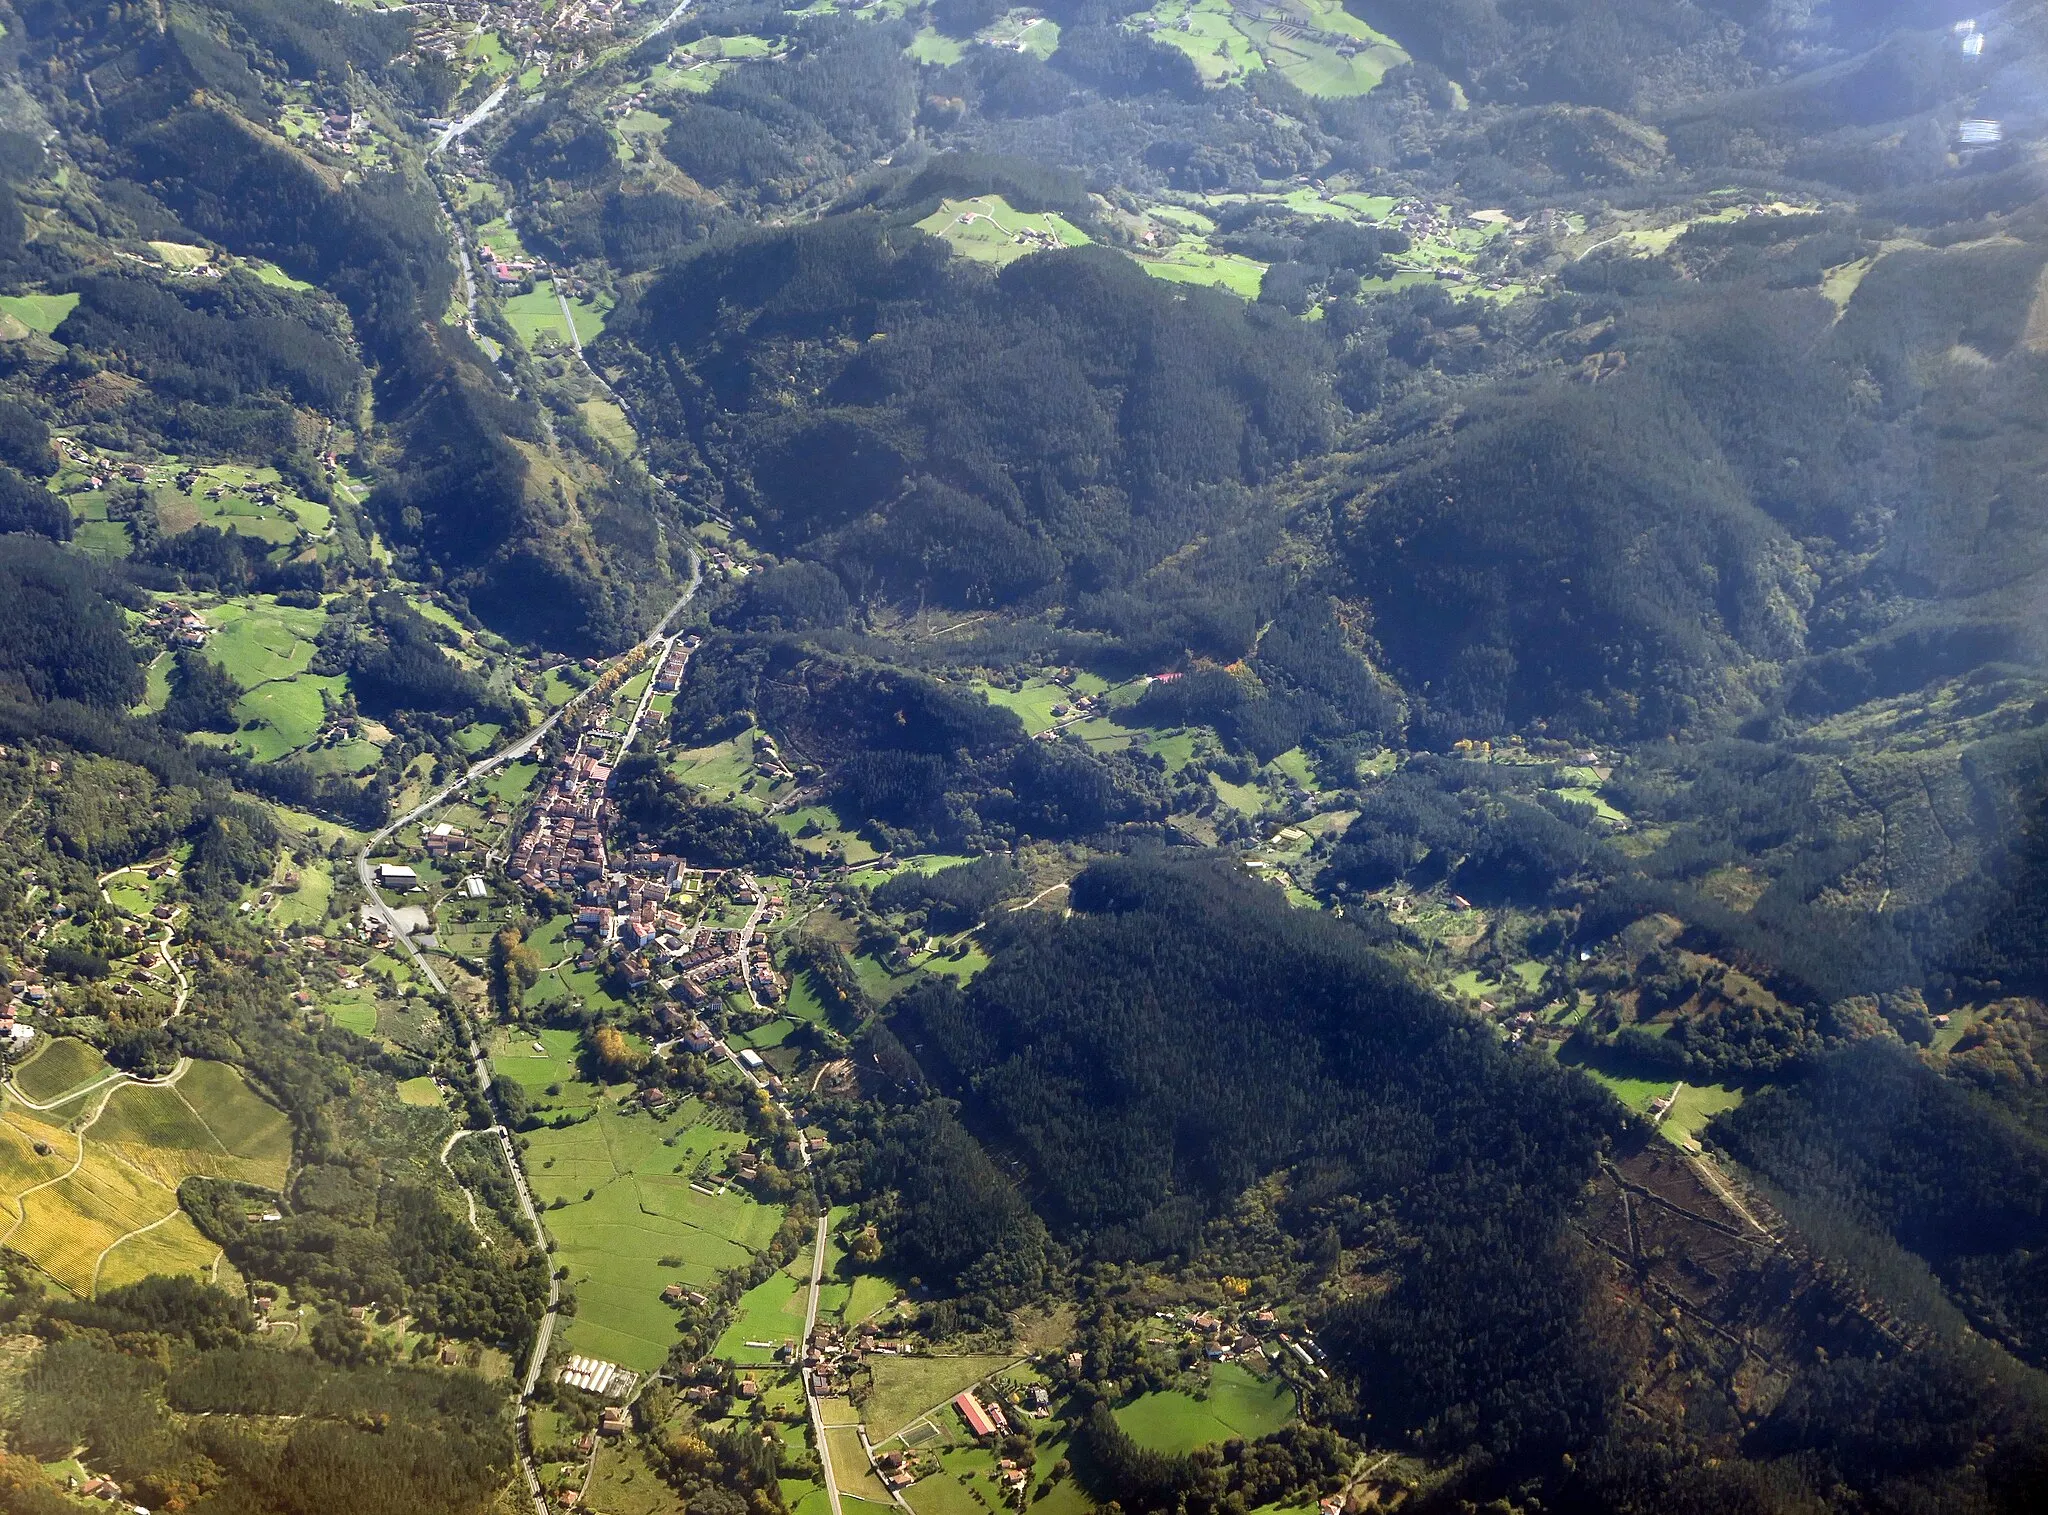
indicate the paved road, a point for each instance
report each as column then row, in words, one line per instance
column 475, row 118
column 479, row 769
column 510, row 753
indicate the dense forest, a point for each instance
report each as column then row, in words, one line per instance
column 1186, row 1033
column 1051, row 431
column 1624, row 630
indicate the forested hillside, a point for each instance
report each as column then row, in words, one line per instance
column 1299, row 742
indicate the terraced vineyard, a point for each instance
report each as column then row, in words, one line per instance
column 89, row 1187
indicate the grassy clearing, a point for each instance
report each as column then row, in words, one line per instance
column 421, row 1091
column 1035, row 702
column 41, row 313
column 857, row 1480
column 536, row 314
column 1633, row 1091
column 228, row 496
column 1194, row 263
column 258, row 640
column 608, row 423
column 623, row 1483
column 62, row 1065
column 928, row 46
column 1695, row 1106
column 539, row 1061
column 906, row 1388
column 280, row 718
column 1239, row 1403
column 989, row 230
column 510, row 784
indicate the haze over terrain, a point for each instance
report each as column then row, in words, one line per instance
column 1230, row 757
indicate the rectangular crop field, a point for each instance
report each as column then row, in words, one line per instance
column 634, row 1218
column 243, row 1121
column 771, row 1311
column 906, row 1388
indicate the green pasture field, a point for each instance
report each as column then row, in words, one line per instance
column 866, row 1294
column 1033, row 703
column 356, row 755
column 535, row 314
column 631, row 1224
column 856, row 849
column 989, row 230
column 1695, row 1106
column 276, row 525
column 1306, row 42
column 1248, row 799
column 1316, row 45
column 1193, row 263
column 558, row 689
column 487, row 50
column 269, row 273
column 727, row 770
column 622, row 1482
column 63, row 1064
column 40, row 313
column 1631, row 1089
column 478, row 736
column 422, row 1092
column 358, row 1013
column 281, row 717
column 1585, row 794
column 771, row 1311
column 258, row 640
column 858, row 1484
column 907, row 1388
column 944, row 1493
column 307, row 904
column 510, row 783
column 1240, row 1404
column 156, row 689
column 608, row 423
column 1039, row 35
column 513, row 1057
column 803, row 1003
column 1206, row 31
column 929, row 46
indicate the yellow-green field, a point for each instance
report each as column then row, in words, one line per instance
column 104, row 1196
column 61, row 1065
